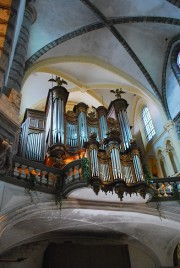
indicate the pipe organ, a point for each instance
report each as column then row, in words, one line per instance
column 32, row 135
column 57, row 138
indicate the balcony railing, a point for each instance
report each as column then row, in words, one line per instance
column 31, row 174
column 166, row 189
column 37, row 176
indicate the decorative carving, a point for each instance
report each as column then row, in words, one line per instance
column 113, row 132
column 92, row 112
column 80, row 107
column 58, row 80
column 58, row 156
column 118, row 92
column 112, row 122
column 92, row 136
column 15, row 99
column 126, row 159
column 103, row 157
column 5, row 155
column 71, row 117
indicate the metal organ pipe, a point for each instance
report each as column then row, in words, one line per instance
column 118, row 163
column 103, row 126
column 93, row 130
column 124, row 113
column 71, row 135
column 59, row 97
column 116, row 166
column 138, row 168
column 82, row 128
column 123, row 130
column 34, row 146
column 94, row 163
column 62, row 121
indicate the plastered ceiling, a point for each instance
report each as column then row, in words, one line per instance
column 100, row 45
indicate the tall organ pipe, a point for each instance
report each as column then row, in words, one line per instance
column 81, row 110
column 102, row 114
column 118, row 107
column 59, row 96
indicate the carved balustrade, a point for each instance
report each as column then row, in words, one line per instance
column 166, row 188
column 45, row 177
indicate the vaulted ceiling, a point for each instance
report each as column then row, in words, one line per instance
column 99, row 45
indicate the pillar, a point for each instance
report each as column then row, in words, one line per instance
column 159, row 169
column 169, row 168
column 169, row 127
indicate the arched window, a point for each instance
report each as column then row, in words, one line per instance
column 178, row 60
column 148, row 125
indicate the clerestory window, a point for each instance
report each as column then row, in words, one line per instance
column 147, row 123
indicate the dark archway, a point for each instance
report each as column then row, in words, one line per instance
column 176, row 256
column 86, row 256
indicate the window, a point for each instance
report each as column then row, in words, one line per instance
column 148, row 125
column 178, row 60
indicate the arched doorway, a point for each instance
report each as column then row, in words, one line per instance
column 86, row 256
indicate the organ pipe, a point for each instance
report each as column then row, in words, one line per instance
column 102, row 114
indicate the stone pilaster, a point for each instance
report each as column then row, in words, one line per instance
column 168, row 164
column 159, row 170
column 170, row 128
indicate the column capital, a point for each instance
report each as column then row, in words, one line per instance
column 169, row 125
column 165, row 152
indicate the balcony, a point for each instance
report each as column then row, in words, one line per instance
column 38, row 177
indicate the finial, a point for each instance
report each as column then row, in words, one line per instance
column 58, row 80
column 118, row 92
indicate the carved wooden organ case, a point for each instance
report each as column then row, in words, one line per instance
column 56, row 138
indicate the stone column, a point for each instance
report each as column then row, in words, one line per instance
column 169, row 168
column 17, row 69
column 169, row 127
column 159, row 169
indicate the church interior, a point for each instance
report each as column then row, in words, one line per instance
column 89, row 133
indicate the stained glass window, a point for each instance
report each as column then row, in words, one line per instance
column 178, row 60
column 148, row 125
